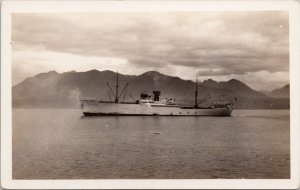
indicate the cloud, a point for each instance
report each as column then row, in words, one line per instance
column 223, row 43
column 213, row 72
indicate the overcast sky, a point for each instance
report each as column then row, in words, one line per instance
column 249, row 46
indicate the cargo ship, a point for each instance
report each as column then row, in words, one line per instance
column 150, row 104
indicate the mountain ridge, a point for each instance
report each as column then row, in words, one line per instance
column 52, row 89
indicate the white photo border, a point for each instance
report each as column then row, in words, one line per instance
column 9, row 7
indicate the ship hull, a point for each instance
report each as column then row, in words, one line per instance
column 94, row 108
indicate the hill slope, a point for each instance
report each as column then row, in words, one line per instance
column 283, row 92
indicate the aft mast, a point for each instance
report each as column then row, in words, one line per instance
column 196, row 94
column 117, row 87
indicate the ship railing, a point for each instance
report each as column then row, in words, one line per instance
column 89, row 99
column 227, row 104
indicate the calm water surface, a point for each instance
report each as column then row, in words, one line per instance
column 62, row 144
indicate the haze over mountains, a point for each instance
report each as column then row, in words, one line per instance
column 64, row 90
column 283, row 92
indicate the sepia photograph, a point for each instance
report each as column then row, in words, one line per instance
column 149, row 94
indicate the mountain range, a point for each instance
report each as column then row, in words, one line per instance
column 64, row 90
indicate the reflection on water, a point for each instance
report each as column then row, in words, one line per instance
column 61, row 144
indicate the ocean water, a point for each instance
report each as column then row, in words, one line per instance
column 63, row 144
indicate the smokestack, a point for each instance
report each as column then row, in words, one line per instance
column 156, row 95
